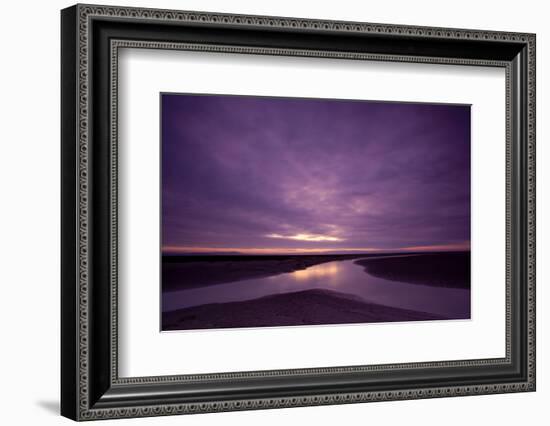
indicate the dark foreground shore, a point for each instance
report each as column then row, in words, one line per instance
column 451, row 269
column 183, row 272
column 309, row 307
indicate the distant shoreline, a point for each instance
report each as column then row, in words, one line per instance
column 186, row 272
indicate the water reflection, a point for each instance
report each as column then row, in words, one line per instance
column 343, row 276
column 325, row 270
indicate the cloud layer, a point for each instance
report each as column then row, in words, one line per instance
column 274, row 173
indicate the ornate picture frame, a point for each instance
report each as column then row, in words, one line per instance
column 91, row 37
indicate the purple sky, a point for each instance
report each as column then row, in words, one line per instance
column 280, row 174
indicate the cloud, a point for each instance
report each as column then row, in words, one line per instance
column 280, row 173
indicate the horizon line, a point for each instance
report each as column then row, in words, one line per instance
column 464, row 246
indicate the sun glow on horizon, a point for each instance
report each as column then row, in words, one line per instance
column 464, row 246
column 305, row 237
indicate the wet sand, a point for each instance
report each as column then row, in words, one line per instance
column 309, row 307
column 451, row 269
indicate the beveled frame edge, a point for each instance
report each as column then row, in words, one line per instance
column 76, row 166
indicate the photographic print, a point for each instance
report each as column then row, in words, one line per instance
column 283, row 211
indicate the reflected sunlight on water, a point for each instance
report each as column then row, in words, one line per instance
column 325, row 270
column 343, row 276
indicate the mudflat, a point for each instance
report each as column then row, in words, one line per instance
column 443, row 269
column 308, row 307
column 183, row 272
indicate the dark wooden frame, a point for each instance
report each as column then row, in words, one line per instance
column 91, row 37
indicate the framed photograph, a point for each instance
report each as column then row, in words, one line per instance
column 263, row 212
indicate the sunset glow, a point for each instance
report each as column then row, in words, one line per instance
column 305, row 237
